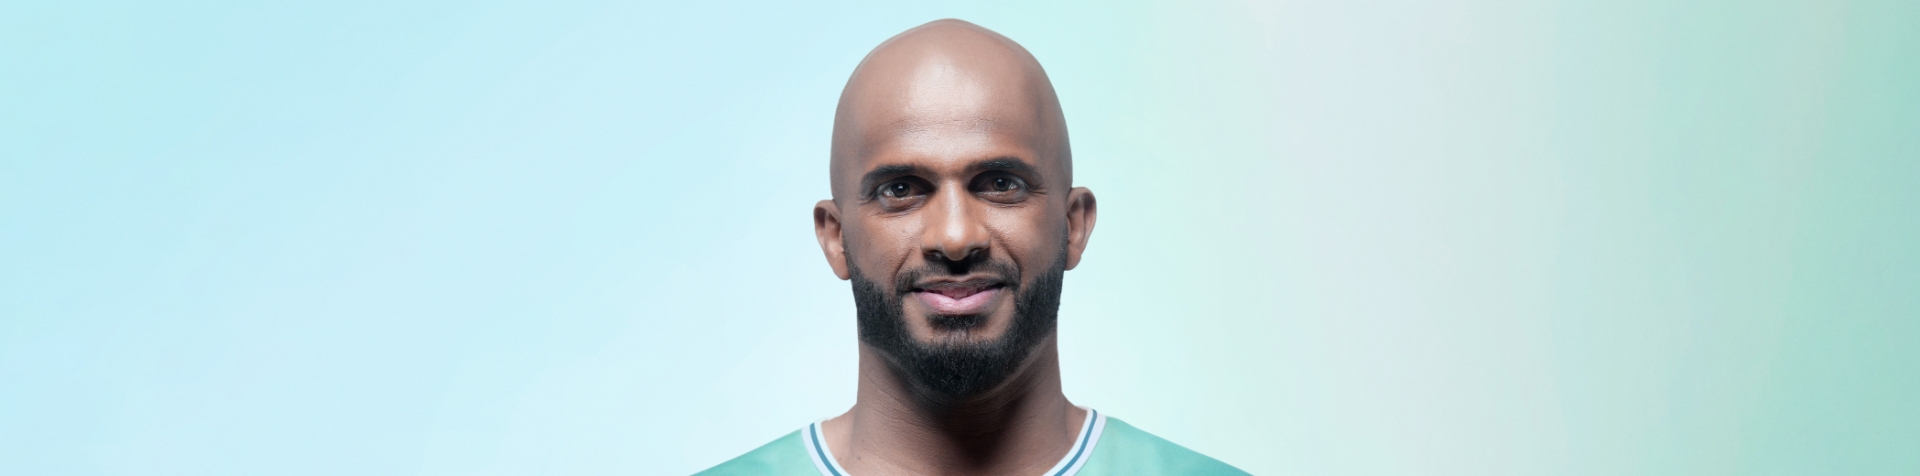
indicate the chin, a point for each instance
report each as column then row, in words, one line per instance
column 965, row 329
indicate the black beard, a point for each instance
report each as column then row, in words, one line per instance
column 954, row 370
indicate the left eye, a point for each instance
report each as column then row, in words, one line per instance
column 1002, row 184
column 1000, row 187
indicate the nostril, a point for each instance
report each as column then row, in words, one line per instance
column 974, row 254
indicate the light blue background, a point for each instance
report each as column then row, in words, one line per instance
column 1467, row 237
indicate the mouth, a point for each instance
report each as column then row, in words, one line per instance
column 957, row 298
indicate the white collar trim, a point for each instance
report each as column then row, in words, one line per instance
column 1069, row 465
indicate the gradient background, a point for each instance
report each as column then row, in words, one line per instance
column 1474, row 237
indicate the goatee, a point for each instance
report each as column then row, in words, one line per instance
column 955, row 369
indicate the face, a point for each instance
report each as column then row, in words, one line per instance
column 955, row 221
column 956, row 253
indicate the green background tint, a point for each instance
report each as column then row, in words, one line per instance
column 1471, row 237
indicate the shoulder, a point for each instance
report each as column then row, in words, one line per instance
column 1126, row 450
column 786, row 455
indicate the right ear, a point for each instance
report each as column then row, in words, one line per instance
column 826, row 228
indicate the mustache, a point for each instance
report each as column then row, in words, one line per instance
column 992, row 271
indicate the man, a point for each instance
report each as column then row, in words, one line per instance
column 955, row 217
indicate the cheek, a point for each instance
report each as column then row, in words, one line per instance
column 1033, row 238
column 881, row 246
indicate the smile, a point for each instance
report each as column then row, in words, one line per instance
column 959, row 298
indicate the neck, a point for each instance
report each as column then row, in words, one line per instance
column 1022, row 427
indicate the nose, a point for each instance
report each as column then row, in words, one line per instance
column 954, row 232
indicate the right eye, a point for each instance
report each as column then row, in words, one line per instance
column 901, row 194
column 896, row 190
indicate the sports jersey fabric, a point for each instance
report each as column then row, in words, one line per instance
column 1105, row 447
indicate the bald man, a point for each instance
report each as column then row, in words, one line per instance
column 955, row 217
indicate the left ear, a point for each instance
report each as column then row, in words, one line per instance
column 1081, row 211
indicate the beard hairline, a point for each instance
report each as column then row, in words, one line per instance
column 948, row 369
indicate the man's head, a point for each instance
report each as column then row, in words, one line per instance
column 953, row 207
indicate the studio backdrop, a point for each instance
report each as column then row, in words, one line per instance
column 1344, row 238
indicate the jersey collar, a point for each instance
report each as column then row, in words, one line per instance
column 1068, row 466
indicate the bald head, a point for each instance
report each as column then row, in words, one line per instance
column 946, row 87
column 953, row 211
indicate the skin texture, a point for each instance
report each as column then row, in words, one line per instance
column 949, row 145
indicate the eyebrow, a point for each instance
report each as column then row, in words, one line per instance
column 1010, row 164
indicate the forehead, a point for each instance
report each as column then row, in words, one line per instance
column 947, row 144
column 935, row 113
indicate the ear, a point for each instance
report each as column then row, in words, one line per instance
column 1081, row 211
column 826, row 228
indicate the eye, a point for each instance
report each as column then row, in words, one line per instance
column 1001, row 187
column 1002, row 184
column 901, row 193
column 896, row 190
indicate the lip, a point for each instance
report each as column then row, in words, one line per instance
column 957, row 298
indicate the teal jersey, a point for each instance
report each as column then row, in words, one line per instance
column 1105, row 447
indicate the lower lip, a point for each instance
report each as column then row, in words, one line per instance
column 972, row 304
